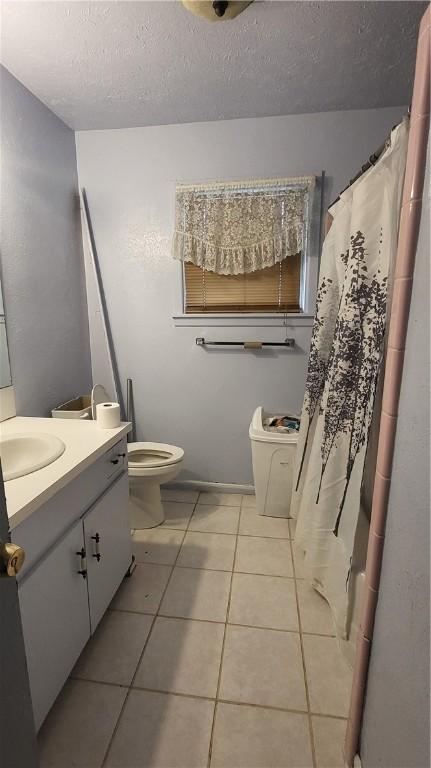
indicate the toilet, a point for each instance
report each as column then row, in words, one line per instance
column 150, row 465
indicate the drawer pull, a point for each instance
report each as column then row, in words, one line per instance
column 119, row 456
column 96, row 554
column 82, row 563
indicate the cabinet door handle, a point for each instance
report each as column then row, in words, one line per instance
column 82, row 563
column 96, row 554
column 120, row 456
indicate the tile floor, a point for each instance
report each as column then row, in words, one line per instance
column 214, row 654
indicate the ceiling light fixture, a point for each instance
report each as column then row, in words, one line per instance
column 220, row 7
column 219, row 10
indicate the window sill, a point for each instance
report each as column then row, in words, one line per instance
column 243, row 320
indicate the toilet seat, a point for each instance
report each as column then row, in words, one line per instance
column 143, row 456
column 150, row 465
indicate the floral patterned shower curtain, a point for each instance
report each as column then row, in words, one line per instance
column 346, row 354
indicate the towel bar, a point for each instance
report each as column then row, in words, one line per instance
column 202, row 342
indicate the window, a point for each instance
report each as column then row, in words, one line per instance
column 243, row 245
column 274, row 289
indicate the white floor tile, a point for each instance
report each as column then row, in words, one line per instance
column 182, row 656
column 251, row 737
column 143, row 591
column 298, row 559
column 271, row 557
column 314, row 611
column 158, row 730
column 157, row 545
column 262, row 666
column 173, row 494
column 220, row 499
column 207, row 550
column 329, row 737
column 253, row 524
column 165, row 726
column 263, row 601
column 197, row 594
column 177, row 514
column 77, row 731
column 328, row 676
column 112, row 654
column 248, row 500
column 209, row 518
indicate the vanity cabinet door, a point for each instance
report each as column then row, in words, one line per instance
column 54, row 611
column 108, row 545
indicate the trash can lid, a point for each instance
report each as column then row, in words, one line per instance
column 258, row 432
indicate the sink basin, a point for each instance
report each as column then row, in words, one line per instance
column 22, row 454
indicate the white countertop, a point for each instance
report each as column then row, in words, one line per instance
column 84, row 442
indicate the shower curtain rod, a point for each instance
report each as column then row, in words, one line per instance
column 372, row 160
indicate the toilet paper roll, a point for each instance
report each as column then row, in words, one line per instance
column 108, row 415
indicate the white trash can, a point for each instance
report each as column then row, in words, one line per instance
column 273, row 455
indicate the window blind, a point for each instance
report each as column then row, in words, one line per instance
column 274, row 289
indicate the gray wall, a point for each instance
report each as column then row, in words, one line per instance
column 396, row 727
column 42, row 271
column 202, row 401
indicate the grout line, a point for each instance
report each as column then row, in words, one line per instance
column 139, row 660
column 186, row 567
column 183, row 695
column 262, row 706
column 221, row 533
column 268, row 575
column 344, row 718
column 276, row 629
column 223, row 643
column 230, row 623
column 257, row 536
column 222, row 570
column 225, row 701
column 105, row 757
column 211, row 533
column 130, row 610
column 307, row 692
column 178, row 501
column 164, row 527
column 99, row 682
column 192, row 567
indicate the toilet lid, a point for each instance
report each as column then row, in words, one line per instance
column 153, row 454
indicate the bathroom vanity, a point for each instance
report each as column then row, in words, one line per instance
column 71, row 518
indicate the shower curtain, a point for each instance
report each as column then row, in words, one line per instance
column 346, row 353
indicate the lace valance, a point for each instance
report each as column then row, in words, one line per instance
column 235, row 228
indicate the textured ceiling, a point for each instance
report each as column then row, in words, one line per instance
column 122, row 64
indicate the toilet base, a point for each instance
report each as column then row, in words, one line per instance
column 145, row 504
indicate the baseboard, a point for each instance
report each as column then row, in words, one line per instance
column 200, row 485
